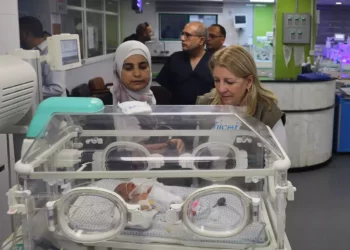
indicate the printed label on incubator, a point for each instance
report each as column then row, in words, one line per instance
column 94, row 141
column 220, row 125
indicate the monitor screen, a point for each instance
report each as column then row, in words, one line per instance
column 339, row 37
column 240, row 20
column 70, row 52
column 137, row 6
column 171, row 26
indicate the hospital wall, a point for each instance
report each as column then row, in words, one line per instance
column 263, row 20
column 129, row 20
column 262, row 12
column 291, row 71
column 102, row 68
column 8, row 42
column 333, row 19
column 96, row 67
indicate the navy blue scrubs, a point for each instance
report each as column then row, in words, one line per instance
column 184, row 83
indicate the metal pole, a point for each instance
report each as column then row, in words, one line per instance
column 8, row 148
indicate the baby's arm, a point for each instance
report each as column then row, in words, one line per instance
column 145, row 205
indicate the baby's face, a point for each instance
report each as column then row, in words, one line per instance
column 124, row 189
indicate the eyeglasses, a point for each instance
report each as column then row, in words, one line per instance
column 211, row 36
column 188, row 35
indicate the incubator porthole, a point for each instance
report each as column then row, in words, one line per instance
column 215, row 156
column 216, row 213
column 91, row 213
column 87, row 215
column 125, row 157
column 208, row 214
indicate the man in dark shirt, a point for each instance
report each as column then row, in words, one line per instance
column 186, row 74
column 216, row 37
column 143, row 33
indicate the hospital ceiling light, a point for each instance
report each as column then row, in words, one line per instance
column 262, row 1
column 338, row 3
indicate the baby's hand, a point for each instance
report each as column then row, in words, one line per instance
column 146, row 207
column 143, row 196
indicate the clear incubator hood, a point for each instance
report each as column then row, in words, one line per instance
column 180, row 176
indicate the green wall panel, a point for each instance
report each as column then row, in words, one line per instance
column 289, row 6
column 263, row 20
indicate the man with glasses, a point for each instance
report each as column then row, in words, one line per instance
column 216, row 37
column 186, row 73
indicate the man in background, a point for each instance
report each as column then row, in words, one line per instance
column 186, row 73
column 216, row 37
column 32, row 37
column 143, row 33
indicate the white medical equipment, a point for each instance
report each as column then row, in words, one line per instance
column 263, row 50
column 17, row 90
column 234, row 194
column 269, row 35
column 64, row 52
column 18, row 96
column 134, row 107
column 339, row 37
column 240, row 21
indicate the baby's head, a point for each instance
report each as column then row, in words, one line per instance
column 124, row 190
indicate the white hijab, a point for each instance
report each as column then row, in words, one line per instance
column 119, row 91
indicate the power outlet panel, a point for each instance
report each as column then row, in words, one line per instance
column 296, row 28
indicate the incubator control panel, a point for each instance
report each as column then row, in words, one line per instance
column 296, row 28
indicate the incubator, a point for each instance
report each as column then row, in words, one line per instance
column 175, row 177
column 264, row 48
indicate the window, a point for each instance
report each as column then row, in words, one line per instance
column 75, row 3
column 94, row 34
column 93, row 4
column 171, row 25
column 112, row 27
column 73, row 24
column 97, row 23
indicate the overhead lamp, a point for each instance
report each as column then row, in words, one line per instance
column 338, row 3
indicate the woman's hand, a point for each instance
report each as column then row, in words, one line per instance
column 158, row 148
column 178, row 143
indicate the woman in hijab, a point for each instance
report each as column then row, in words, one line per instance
column 132, row 82
column 132, row 74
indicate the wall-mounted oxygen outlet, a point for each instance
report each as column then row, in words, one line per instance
column 296, row 28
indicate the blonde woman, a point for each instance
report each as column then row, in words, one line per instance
column 237, row 83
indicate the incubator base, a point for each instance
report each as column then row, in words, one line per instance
column 151, row 243
column 224, row 185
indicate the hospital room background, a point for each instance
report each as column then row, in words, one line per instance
column 313, row 132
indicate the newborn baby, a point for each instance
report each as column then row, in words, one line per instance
column 150, row 196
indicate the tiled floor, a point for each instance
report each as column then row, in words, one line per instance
column 319, row 218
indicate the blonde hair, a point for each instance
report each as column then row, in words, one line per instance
column 239, row 62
